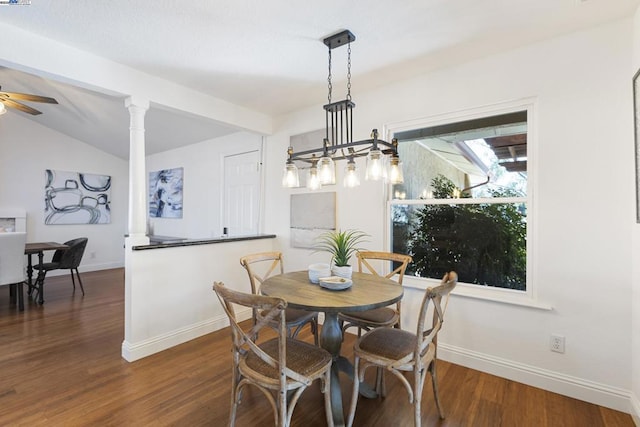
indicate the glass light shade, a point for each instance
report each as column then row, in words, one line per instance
column 375, row 166
column 327, row 170
column 290, row 176
column 351, row 178
column 395, row 171
column 313, row 180
column 2, row 109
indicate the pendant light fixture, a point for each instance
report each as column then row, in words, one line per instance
column 313, row 178
column 351, row 178
column 327, row 170
column 290, row 177
column 383, row 162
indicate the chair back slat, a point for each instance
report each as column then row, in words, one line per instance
column 364, row 266
column 427, row 333
column 261, row 266
column 397, row 274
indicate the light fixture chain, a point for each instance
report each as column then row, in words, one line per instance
column 329, row 78
column 338, row 143
column 349, row 72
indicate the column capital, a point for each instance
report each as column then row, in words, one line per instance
column 136, row 101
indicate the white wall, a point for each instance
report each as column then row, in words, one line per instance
column 203, row 178
column 582, row 207
column 26, row 150
column 635, row 300
column 171, row 298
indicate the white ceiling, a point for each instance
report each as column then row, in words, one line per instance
column 268, row 55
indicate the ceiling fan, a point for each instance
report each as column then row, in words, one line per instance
column 10, row 99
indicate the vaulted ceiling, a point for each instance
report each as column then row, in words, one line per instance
column 266, row 56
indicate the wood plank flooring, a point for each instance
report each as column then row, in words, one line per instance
column 60, row 365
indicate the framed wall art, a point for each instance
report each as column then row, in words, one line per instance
column 311, row 215
column 76, row 198
column 165, row 193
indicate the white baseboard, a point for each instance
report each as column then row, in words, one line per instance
column 578, row 388
column 635, row 409
column 135, row 351
column 87, row 267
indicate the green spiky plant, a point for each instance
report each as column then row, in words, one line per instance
column 340, row 244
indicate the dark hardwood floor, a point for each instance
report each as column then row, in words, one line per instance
column 60, row 365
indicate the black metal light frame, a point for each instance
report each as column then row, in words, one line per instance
column 339, row 118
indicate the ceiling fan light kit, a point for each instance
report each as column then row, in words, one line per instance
column 383, row 162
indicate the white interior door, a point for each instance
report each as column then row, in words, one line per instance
column 241, row 198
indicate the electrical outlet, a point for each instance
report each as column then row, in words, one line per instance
column 557, row 343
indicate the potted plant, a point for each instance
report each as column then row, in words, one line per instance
column 341, row 245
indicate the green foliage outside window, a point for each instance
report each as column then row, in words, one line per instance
column 484, row 243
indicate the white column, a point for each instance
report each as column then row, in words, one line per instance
column 137, row 225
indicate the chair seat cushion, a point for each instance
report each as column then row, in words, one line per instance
column 302, row 357
column 48, row 266
column 390, row 343
column 384, row 316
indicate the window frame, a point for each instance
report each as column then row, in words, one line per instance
column 529, row 297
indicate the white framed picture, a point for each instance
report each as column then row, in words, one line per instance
column 76, row 198
column 165, row 193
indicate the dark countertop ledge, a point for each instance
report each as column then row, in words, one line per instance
column 159, row 242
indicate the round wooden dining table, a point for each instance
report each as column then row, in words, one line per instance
column 367, row 292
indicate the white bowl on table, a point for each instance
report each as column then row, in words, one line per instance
column 316, row 271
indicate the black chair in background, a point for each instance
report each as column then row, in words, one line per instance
column 66, row 259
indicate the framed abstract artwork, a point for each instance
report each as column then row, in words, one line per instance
column 311, row 215
column 76, row 198
column 165, row 193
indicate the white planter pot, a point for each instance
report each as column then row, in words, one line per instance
column 344, row 271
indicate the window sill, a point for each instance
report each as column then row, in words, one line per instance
column 503, row 296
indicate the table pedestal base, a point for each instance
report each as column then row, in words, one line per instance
column 331, row 340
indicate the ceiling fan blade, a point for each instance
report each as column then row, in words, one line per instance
column 21, row 107
column 28, row 97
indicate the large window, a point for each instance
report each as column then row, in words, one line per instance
column 464, row 201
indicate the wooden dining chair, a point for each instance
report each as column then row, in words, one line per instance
column 282, row 367
column 261, row 266
column 398, row 351
column 12, row 272
column 371, row 262
column 379, row 317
